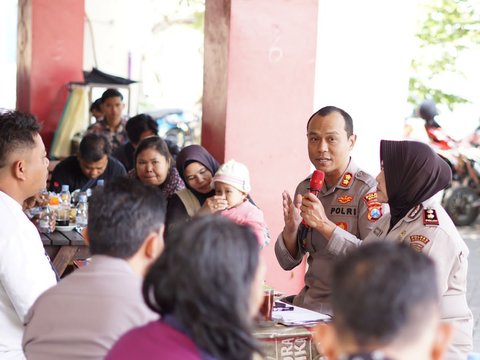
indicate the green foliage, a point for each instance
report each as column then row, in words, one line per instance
column 448, row 28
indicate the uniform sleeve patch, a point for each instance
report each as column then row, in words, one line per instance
column 430, row 217
column 418, row 242
column 370, row 198
column 345, row 199
column 417, row 247
column 420, row 238
column 375, row 211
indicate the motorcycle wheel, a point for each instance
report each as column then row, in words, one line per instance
column 459, row 206
column 177, row 136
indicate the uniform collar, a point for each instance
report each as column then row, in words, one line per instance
column 346, row 180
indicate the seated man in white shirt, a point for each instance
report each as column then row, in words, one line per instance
column 83, row 316
column 25, row 271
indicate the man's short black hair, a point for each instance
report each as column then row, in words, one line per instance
column 327, row 110
column 121, row 215
column 109, row 93
column 383, row 291
column 138, row 124
column 17, row 131
column 94, row 147
column 96, row 105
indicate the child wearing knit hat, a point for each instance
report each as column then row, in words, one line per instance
column 232, row 181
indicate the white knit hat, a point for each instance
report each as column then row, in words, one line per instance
column 235, row 174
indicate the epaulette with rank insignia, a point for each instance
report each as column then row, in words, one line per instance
column 346, row 179
column 430, row 217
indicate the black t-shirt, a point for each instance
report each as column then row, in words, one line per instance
column 68, row 172
column 125, row 154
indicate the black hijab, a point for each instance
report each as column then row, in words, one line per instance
column 413, row 174
column 196, row 153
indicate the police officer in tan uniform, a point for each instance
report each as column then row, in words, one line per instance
column 411, row 175
column 330, row 141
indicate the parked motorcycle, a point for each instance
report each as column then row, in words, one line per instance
column 462, row 199
column 175, row 125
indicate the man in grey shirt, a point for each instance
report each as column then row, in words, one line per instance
column 83, row 316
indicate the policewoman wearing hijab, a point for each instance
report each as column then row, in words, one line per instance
column 411, row 174
column 196, row 166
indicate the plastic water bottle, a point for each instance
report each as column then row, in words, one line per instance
column 82, row 213
column 63, row 211
column 65, row 196
column 44, row 219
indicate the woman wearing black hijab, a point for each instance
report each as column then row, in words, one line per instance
column 196, row 166
column 411, row 174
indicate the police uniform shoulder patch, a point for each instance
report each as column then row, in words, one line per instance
column 418, row 242
column 374, row 212
column 370, row 197
column 430, row 217
column 375, row 209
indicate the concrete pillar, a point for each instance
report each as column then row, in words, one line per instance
column 49, row 55
column 258, row 94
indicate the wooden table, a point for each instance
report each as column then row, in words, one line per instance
column 281, row 342
column 63, row 247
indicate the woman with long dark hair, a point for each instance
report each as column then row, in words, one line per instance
column 207, row 288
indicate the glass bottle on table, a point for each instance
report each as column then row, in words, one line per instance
column 82, row 213
column 45, row 218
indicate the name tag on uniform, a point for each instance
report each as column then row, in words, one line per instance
column 343, row 210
